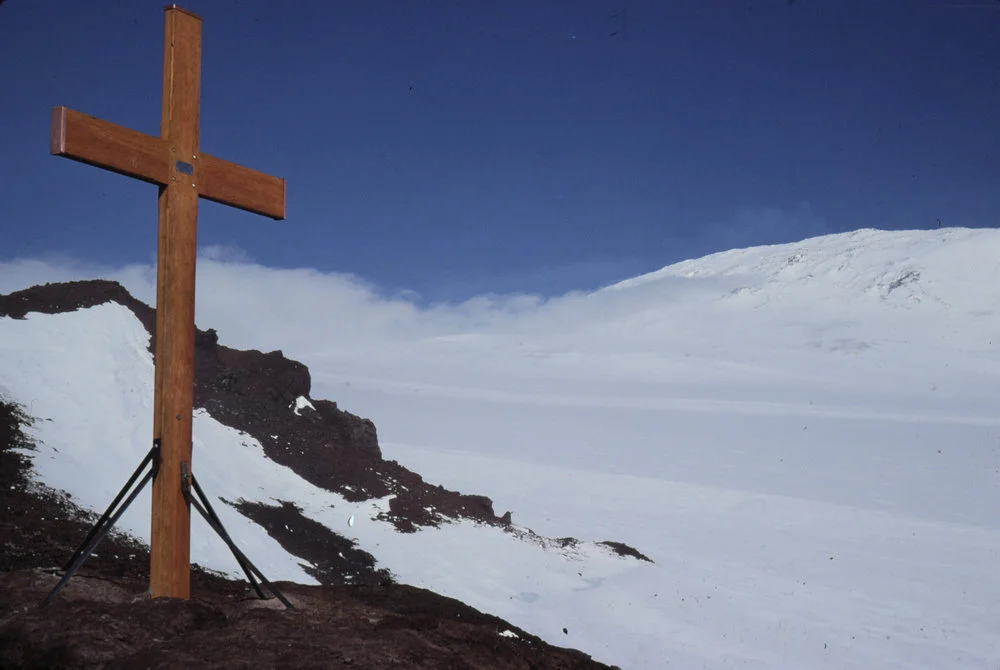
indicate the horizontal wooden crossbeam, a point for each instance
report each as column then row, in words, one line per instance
column 107, row 145
column 240, row 187
column 110, row 146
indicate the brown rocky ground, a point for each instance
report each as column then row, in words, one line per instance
column 358, row 618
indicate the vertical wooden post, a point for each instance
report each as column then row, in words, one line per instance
column 173, row 404
column 174, row 163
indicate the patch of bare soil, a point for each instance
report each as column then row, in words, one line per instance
column 108, row 624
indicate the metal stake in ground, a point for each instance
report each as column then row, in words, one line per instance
column 173, row 162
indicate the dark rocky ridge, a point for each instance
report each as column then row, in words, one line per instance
column 256, row 392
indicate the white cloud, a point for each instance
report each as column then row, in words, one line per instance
column 750, row 317
column 225, row 253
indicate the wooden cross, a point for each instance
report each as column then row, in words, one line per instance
column 174, row 162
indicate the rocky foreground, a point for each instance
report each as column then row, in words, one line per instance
column 104, row 618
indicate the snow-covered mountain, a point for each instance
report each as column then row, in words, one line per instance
column 802, row 438
column 874, row 294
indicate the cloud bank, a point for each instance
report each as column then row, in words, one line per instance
column 815, row 314
column 304, row 309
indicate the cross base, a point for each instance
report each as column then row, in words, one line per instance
column 193, row 494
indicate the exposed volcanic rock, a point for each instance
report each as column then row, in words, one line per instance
column 100, row 624
column 257, row 393
column 623, row 549
column 334, row 558
column 71, row 296
column 104, row 619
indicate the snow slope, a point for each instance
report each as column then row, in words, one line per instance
column 804, row 438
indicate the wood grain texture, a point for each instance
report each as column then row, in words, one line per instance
column 240, row 187
column 174, row 7
column 170, row 537
column 170, row 571
column 107, row 145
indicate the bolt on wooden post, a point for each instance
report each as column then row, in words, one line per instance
column 174, row 162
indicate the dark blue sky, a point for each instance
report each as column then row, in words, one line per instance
column 455, row 148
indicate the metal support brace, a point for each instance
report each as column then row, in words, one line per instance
column 200, row 502
column 108, row 519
